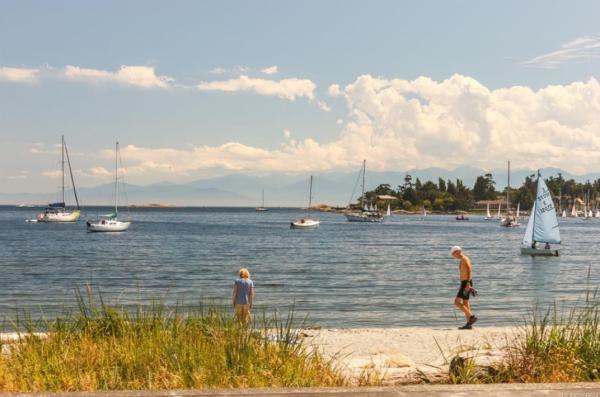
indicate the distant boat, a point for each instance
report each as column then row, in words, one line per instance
column 424, row 212
column 306, row 222
column 57, row 212
column 462, row 218
column 587, row 211
column 367, row 213
column 110, row 222
column 564, row 214
column 543, row 225
column 574, row 211
column 262, row 208
column 389, row 211
column 499, row 209
column 488, row 215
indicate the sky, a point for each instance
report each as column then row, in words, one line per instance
column 195, row 90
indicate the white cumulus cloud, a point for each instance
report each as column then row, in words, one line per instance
column 139, row 76
column 19, row 75
column 270, row 70
column 289, row 89
column 399, row 124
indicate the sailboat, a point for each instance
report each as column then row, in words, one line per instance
column 488, row 215
column 424, row 212
column 499, row 209
column 509, row 220
column 564, row 214
column 389, row 211
column 57, row 212
column 110, row 222
column 306, row 223
column 366, row 214
column 262, row 208
column 574, row 211
column 543, row 225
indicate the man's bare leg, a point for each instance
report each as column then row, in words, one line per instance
column 464, row 306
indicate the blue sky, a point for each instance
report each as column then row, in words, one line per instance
column 173, row 129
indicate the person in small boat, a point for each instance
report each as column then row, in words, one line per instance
column 243, row 297
column 547, row 246
column 534, row 245
column 466, row 286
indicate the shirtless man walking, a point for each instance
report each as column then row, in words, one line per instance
column 466, row 286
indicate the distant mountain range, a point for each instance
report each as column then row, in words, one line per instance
column 280, row 189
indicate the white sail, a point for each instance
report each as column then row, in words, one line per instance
column 574, row 211
column 528, row 237
column 564, row 213
column 375, row 207
column 389, row 210
column 488, row 211
column 545, row 224
column 518, row 209
column 499, row 208
column 424, row 212
column 597, row 214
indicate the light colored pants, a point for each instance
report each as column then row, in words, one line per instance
column 243, row 314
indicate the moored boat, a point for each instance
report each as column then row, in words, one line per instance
column 58, row 212
column 110, row 222
column 367, row 214
column 306, row 223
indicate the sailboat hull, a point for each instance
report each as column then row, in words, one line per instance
column 60, row 216
column 538, row 252
column 305, row 224
column 108, row 226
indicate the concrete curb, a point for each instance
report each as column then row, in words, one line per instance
column 499, row 390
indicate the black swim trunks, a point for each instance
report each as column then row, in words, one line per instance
column 462, row 292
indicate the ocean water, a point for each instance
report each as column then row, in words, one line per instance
column 394, row 274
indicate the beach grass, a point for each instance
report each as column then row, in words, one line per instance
column 556, row 347
column 103, row 347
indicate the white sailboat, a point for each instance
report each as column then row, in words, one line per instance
column 57, row 212
column 424, row 212
column 389, row 211
column 488, row 215
column 306, row 223
column 367, row 213
column 499, row 216
column 574, row 211
column 543, row 225
column 262, row 208
column 564, row 214
column 587, row 212
column 110, row 222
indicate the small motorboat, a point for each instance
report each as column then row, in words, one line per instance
column 462, row 218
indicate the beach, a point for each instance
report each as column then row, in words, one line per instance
column 408, row 355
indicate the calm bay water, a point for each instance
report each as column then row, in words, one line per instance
column 398, row 273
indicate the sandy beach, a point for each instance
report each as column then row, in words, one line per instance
column 405, row 355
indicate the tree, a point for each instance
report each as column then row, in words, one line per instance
column 484, row 188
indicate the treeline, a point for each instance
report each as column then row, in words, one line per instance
column 448, row 195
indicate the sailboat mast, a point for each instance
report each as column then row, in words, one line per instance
column 116, row 176
column 508, row 189
column 263, row 199
column 362, row 196
column 66, row 151
column 309, row 195
column 62, row 150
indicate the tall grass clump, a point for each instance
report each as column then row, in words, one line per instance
column 103, row 347
column 557, row 348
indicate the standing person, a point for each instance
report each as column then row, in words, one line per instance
column 243, row 296
column 466, row 286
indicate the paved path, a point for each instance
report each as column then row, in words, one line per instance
column 500, row 390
